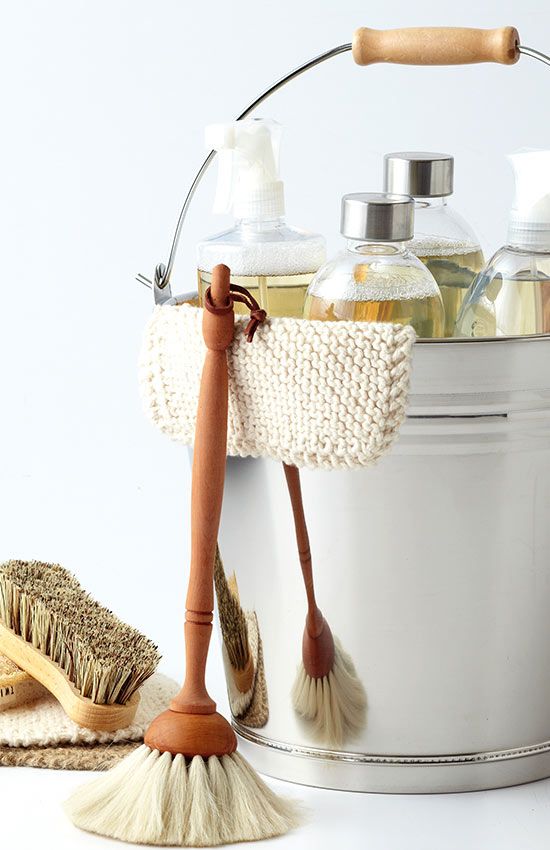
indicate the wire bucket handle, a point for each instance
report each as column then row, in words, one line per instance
column 410, row 46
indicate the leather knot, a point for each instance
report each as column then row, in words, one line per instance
column 257, row 316
column 240, row 295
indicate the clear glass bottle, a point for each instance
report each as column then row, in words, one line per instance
column 273, row 261
column 376, row 277
column 511, row 295
column 444, row 242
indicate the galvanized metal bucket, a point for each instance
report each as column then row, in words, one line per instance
column 433, row 569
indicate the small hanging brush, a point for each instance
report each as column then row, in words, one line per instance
column 327, row 692
column 187, row 785
column 92, row 662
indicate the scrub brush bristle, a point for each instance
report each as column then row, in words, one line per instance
column 74, row 646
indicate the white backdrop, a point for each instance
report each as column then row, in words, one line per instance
column 104, row 105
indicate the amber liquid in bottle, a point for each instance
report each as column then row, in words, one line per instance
column 424, row 314
column 518, row 306
column 389, row 287
column 278, row 295
column 454, row 274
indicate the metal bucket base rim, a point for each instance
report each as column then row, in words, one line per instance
column 395, row 774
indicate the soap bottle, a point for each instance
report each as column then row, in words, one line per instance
column 511, row 295
column 376, row 277
column 444, row 242
column 273, row 261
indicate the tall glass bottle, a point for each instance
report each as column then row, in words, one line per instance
column 444, row 242
column 511, row 295
column 376, row 277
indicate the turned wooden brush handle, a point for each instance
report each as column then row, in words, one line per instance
column 209, row 460
column 436, row 46
column 315, row 620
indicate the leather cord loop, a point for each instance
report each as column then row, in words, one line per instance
column 238, row 294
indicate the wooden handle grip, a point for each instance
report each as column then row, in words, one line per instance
column 209, row 459
column 436, row 46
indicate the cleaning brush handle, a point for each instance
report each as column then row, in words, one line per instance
column 209, row 460
column 315, row 620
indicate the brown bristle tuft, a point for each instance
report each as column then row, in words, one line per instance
column 232, row 619
column 106, row 659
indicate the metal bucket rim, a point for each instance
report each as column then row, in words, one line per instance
column 483, row 340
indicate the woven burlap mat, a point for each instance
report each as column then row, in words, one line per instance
column 94, row 757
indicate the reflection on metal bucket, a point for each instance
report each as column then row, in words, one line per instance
column 327, row 692
column 433, row 568
column 241, row 651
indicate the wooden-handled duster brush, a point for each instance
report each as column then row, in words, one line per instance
column 187, row 785
column 327, row 691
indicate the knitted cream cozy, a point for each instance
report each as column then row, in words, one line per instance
column 317, row 394
column 44, row 723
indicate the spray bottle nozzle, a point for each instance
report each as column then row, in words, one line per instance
column 248, row 170
column 529, row 225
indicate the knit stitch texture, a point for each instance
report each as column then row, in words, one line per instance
column 318, row 394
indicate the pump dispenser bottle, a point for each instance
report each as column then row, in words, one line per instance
column 376, row 278
column 442, row 239
column 511, row 296
column 273, row 261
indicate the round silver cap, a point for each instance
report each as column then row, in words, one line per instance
column 378, row 217
column 418, row 173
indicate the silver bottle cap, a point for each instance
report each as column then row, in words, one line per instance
column 378, row 217
column 420, row 174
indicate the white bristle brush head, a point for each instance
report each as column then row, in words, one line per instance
column 165, row 800
column 336, row 705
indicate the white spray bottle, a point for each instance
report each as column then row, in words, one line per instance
column 511, row 295
column 275, row 262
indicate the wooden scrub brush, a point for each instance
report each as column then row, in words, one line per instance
column 17, row 688
column 78, row 650
column 187, row 785
column 327, row 691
